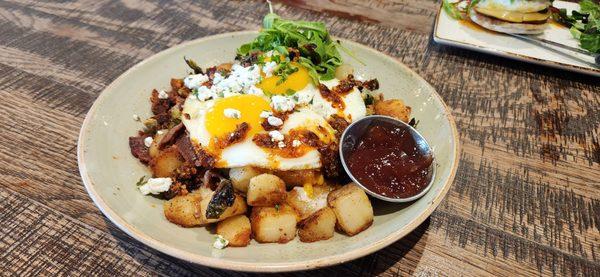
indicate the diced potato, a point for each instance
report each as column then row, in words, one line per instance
column 273, row 224
column 265, row 190
column 306, row 204
column 190, row 210
column 319, row 226
column 394, row 108
column 294, row 178
column 166, row 162
column 153, row 150
column 236, row 230
column 184, row 210
column 352, row 209
column 240, row 177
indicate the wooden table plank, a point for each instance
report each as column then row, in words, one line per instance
column 526, row 198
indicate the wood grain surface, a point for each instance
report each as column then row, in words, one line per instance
column 526, row 200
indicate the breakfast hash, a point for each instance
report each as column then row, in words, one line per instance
column 252, row 146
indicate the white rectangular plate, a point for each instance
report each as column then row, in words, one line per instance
column 461, row 34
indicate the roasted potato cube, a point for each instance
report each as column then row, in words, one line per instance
column 190, row 210
column 306, row 203
column 236, row 230
column 394, row 108
column 318, row 226
column 265, row 190
column 294, row 178
column 166, row 162
column 240, row 177
column 352, row 209
column 273, row 224
column 184, row 210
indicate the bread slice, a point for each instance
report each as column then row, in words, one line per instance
column 501, row 26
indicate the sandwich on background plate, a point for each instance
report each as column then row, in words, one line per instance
column 511, row 16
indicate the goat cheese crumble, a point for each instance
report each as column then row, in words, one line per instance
column 265, row 114
column 241, row 80
column 232, row 113
column 268, row 68
column 163, row 95
column 148, row 141
column 274, row 121
column 220, row 242
column 296, row 143
column 282, row 103
column 156, row 186
column 195, row 81
column 276, row 136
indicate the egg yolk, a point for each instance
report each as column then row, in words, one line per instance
column 250, row 106
column 294, row 82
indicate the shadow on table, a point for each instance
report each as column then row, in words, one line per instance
column 378, row 262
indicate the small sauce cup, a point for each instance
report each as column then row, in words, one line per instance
column 388, row 158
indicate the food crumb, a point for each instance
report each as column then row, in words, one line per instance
column 220, row 242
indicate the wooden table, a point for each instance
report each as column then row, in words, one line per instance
column 526, row 199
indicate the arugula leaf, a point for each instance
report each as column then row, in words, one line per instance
column 143, row 180
column 192, row 64
column 451, row 10
column 590, row 42
column 318, row 52
column 584, row 24
column 591, row 8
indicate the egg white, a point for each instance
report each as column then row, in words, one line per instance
column 309, row 115
column 246, row 152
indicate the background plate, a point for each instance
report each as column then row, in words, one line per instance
column 109, row 172
column 461, row 34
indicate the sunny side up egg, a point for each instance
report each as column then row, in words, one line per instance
column 243, row 100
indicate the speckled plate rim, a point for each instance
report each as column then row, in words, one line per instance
column 247, row 266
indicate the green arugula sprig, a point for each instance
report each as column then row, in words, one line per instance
column 584, row 24
column 318, row 52
column 452, row 10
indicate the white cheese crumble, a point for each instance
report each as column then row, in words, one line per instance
column 241, row 80
column 195, row 81
column 274, row 121
column 276, row 136
column 220, row 242
column 296, row 143
column 303, row 98
column 281, row 144
column 160, row 132
column 232, row 113
column 156, row 186
column 254, row 90
column 203, row 93
column 268, row 68
column 265, row 114
column 136, row 117
column 148, row 141
column 282, row 103
column 163, row 95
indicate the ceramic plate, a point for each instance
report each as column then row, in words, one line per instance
column 109, row 172
column 470, row 36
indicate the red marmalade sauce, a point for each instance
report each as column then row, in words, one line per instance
column 387, row 160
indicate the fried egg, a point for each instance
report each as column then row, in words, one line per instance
column 522, row 6
column 210, row 114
